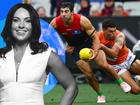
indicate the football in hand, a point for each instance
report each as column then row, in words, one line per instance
column 85, row 53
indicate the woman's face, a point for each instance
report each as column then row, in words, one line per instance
column 21, row 25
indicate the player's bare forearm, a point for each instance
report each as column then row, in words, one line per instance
column 96, row 42
column 90, row 30
column 119, row 41
column 108, row 51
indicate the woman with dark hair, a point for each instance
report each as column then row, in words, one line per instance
column 25, row 62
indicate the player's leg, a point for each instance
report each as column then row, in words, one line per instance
column 101, row 61
column 135, row 67
column 126, row 76
column 86, row 69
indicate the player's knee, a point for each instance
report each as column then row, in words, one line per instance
column 135, row 90
column 102, row 63
column 137, row 62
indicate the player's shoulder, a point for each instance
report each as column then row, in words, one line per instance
column 84, row 19
column 54, row 21
column 85, row 22
column 119, row 33
column 76, row 15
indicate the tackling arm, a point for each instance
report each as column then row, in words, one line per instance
column 90, row 30
column 119, row 42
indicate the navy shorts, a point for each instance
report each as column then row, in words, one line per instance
column 86, row 44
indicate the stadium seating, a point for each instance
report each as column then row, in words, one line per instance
column 133, row 8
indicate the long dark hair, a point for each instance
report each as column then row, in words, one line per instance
column 36, row 30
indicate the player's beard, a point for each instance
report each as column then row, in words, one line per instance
column 67, row 20
column 110, row 37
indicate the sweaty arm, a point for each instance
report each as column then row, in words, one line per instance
column 90, row 30
column 65, row 78
column 119, row 42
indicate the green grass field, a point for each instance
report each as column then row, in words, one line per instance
column 86, row 96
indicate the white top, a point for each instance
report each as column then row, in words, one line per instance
column 28, row 89
column 136, row 47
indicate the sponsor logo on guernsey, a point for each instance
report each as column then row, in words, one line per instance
column 64, row 33
column 76, row 32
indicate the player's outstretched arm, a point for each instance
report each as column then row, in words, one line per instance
column 90, row 30
column 65, row 78
column 119, row 42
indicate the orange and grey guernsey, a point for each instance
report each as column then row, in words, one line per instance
column 123, row 53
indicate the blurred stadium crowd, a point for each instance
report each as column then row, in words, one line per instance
column 90, row 8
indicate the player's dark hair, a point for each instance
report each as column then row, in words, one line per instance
column 67, row 5
column 108, row 23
